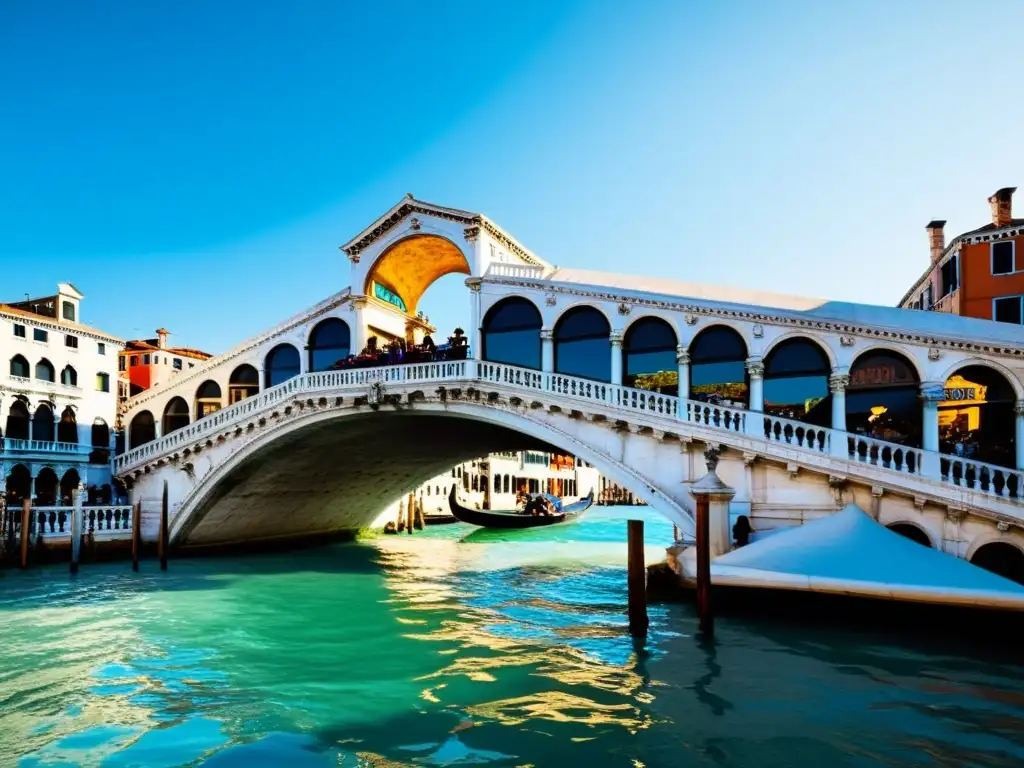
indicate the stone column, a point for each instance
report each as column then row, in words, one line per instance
column 837, row 384
column 1018, row 410
column 262, row 376
column 719, row 495
column 3, row 422
column 28, row 407
column 755, row 370
column 616, row 351
column 931, row 394
column 56, row 422
column 683, row 361
column 474, row 284
column 547, row 350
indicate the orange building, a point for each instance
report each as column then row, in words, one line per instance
column 145, row 363
column 978, row 274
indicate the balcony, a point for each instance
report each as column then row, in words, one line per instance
column 70, row 450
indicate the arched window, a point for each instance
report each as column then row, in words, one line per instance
column 207, row 399
column 244, row 382
column 649, row 356
column 796, row 375
column 912, row 532
column 511, row 333
column 17, row 421
column 42, row 423
column 582, row 344
column 20, row 367
column 67, row 428
column 976, row 418
column 44, row 370
column 718, row 367
column 47, row 485
column 18, row 484
column 882, row 398
column 142, row 429
column 1001, row 558
column 281, row 364
column 176, row 415
column 100, row 442
column 69, row 376
column 329, row 343
column 68, row 483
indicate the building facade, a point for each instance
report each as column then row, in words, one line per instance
column 58, row 400
column 145, row 363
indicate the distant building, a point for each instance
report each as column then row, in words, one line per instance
column 978, row 273
column 146, row 363
column 58, row 401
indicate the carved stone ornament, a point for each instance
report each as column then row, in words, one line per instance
column 414, row 223
column 838, row 382
column 758, row 330
column 1018, row 407
column 550, row 299
column 624, row 308
column 954, row 516
column 755, row 368
column 932, row 392
column 1003, row 526
column 474, row 284
column 691, row 319
column 471, row 233
column 547, row 334
column 682, row 356
column 934, row 354
column 711, row 456
column 846, row 341
column 375, row 395
column 615, row 337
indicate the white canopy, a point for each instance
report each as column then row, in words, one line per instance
column 849, row 553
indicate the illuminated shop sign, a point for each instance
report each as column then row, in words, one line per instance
column 390, row 297
column 960, row 393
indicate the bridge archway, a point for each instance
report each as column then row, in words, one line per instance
column 208, row 399
column 282, row 363
column 330, row 342
column 882, row 397
column 176, row 415
column 796, row 374
column 976, row 415
column 1002, row 558
column 287, row 481
column 403, row 272
column 244, row 382
column 511, row 333
column 582, row 338
column 718, row 366
column 649, row 349
column 913, row 532
column 141, row 430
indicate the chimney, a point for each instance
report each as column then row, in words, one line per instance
column 161, row 335
column 936, row 239
column 1002, row 206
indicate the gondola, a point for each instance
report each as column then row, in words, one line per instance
column 510, row 518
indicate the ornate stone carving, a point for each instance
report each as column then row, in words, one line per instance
column 749, row 458
column 375, row 395
column 755, row 368
column 474, row 284
column 838, row 382
column 932, row 392
column 682, row 356
column 414, row 223
column 471, row 233
column 934, row 354
column 1018, row 407
column 712, row 454
column 615, row 337
column 1002, row 526
column 758, row 330
column 846, row 341
column 550, row 299
column 547, row 334
column 691, row 319
column 624, row 308
column 954, row 515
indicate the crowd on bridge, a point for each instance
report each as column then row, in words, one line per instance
column 398, row 352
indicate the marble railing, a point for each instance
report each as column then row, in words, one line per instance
column 983, row 478
column 103, row 521
column 43, row 446
column 515, row 270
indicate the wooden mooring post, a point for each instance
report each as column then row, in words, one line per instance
column 136, row 534
column 705, row 616
column 636, row 580
column 410, row 512
column 26, row 514
column 76, row 528
column 162, row 540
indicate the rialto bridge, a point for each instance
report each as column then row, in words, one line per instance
column 917, row 417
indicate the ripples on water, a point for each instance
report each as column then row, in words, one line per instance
column 459, row 648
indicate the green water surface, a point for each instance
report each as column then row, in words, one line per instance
column 454, row 647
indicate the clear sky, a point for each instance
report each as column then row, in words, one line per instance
column 195, row 165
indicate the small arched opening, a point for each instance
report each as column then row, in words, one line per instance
column 718, row 367
column 511, row 333
column 244, row 382
column 330, row 342
column 20, row 368
column 141, row 430
column 796, row 375
column 47, row 487
column 976, row 418
column 176, row 415
column 402, row 273
column 67, row 427
column 68, row 483
column 45, row 371
column 100, row 439
column 17, row 421
column 649, row 356
column 1001, row 558
column 583, row 344
column 42, row 423
column 17, row 486
column 208, row 399
column 912, row 532
column 282, row 363
column 69, row 376
column 882, row 398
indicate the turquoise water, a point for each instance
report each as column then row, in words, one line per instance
column 457, row 648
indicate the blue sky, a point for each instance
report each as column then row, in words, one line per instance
column 195, row 165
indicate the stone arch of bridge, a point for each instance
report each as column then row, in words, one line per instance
column 410, row 265
column 225, row 482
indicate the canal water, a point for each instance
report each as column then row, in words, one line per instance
column 453, row 647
